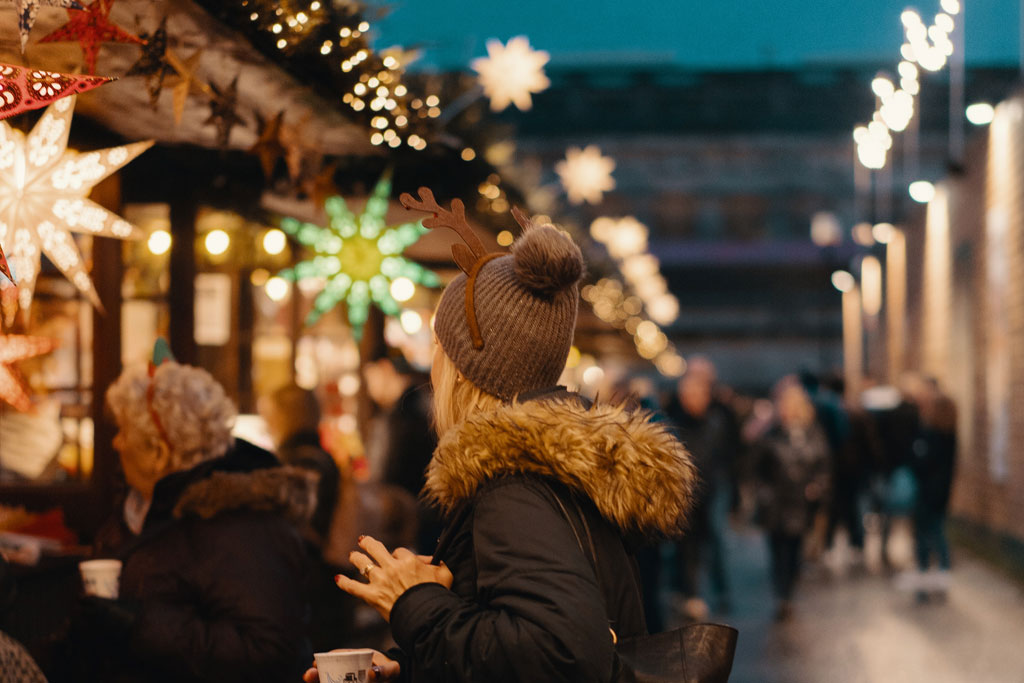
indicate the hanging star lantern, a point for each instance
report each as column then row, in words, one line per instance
column 509, row 73
column 43, row 190
column 27, row 11
column 222, row 111
column 585, row 174
column 23, row 89
column 186, row 81
column 90, row 27
column 321, row 186
column 359, row 258
column 13, row 348
column 153, row 64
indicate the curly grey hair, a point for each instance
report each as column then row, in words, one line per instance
column 196, row 414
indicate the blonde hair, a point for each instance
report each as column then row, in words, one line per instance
column 455, row 397
column 195, row 413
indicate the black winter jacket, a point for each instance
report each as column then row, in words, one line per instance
column 525, row 604
column 214, row 583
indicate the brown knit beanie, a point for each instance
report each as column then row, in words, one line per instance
column 525, row 304
column 513, row 331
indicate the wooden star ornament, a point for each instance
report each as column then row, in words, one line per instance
column 13, row 348
column 91, row 27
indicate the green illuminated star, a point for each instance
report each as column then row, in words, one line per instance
column 358, row 257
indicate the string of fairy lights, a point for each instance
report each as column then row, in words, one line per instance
column 925, row 47
column 336, row 37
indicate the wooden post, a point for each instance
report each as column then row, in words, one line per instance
column 181, row 297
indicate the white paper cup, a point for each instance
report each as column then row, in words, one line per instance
column 100, row 577
column 344, row 666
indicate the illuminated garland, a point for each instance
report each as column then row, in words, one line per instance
column 326, row 44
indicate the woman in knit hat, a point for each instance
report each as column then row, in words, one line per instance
column 532, row 578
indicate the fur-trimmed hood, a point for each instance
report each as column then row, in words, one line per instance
column 639, row 476
column 290, row 491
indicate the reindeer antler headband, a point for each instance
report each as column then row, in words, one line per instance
column 470, row 257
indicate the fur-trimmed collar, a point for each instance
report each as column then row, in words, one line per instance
column 639, row 476
column 290, row 491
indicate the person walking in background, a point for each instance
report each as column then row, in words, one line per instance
column 793, row 472
column 701, row 430
column 933, row 463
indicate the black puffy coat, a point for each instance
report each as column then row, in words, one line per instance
column 215, row 581
column 788, row 462
column 525, row 604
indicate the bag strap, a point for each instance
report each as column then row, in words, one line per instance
column 592, row 554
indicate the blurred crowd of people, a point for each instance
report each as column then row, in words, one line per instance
column 801, row 465
column 230, row 551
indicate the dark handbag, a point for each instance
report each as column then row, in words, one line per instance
column 697, row 653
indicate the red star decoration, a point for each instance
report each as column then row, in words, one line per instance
column 15, row 347
column 91, row 27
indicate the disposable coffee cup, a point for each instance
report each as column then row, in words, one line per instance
column 344, row 666
column 100, row 577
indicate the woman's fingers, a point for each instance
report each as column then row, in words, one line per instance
column 402, row 554
column 361, row 590
column 311, row 676
column 360, row 561
column 376, row 549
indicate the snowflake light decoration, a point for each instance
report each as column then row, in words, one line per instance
column 509, row 73
column 358, row 257
column 43, row 190
column 585, row 174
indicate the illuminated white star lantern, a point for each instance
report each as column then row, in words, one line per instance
column 585, row 174
column 509, row 73
column 43, row 189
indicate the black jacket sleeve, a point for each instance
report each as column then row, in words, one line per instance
column 538, row 615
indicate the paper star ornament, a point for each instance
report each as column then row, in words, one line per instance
column 23, row 89
column 15, row 347
column 91, row 27
column 358, row 258
column 153, row 64
column 509, row 73
column 43, row 190
column 27, row 11
column 585, row 174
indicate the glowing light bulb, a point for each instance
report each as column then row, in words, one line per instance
column 277, row 288
column 981, row 113
column 402, row 289
column 412, row 322
column 217, row 242
column 274, row 242
column 159, row 242
column 882, row 232
column 921, row 191
column 843, row 281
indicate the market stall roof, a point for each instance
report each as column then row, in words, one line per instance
column 124, row 106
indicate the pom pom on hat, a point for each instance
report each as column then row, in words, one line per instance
column 546, row 261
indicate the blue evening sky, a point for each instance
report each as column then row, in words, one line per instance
column 704, row 33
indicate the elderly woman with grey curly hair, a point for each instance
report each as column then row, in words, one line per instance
column 211, row 585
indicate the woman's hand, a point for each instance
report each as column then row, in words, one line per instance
column 389, row 574
column 383, row 669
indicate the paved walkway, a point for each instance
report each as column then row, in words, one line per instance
column 859, row 629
